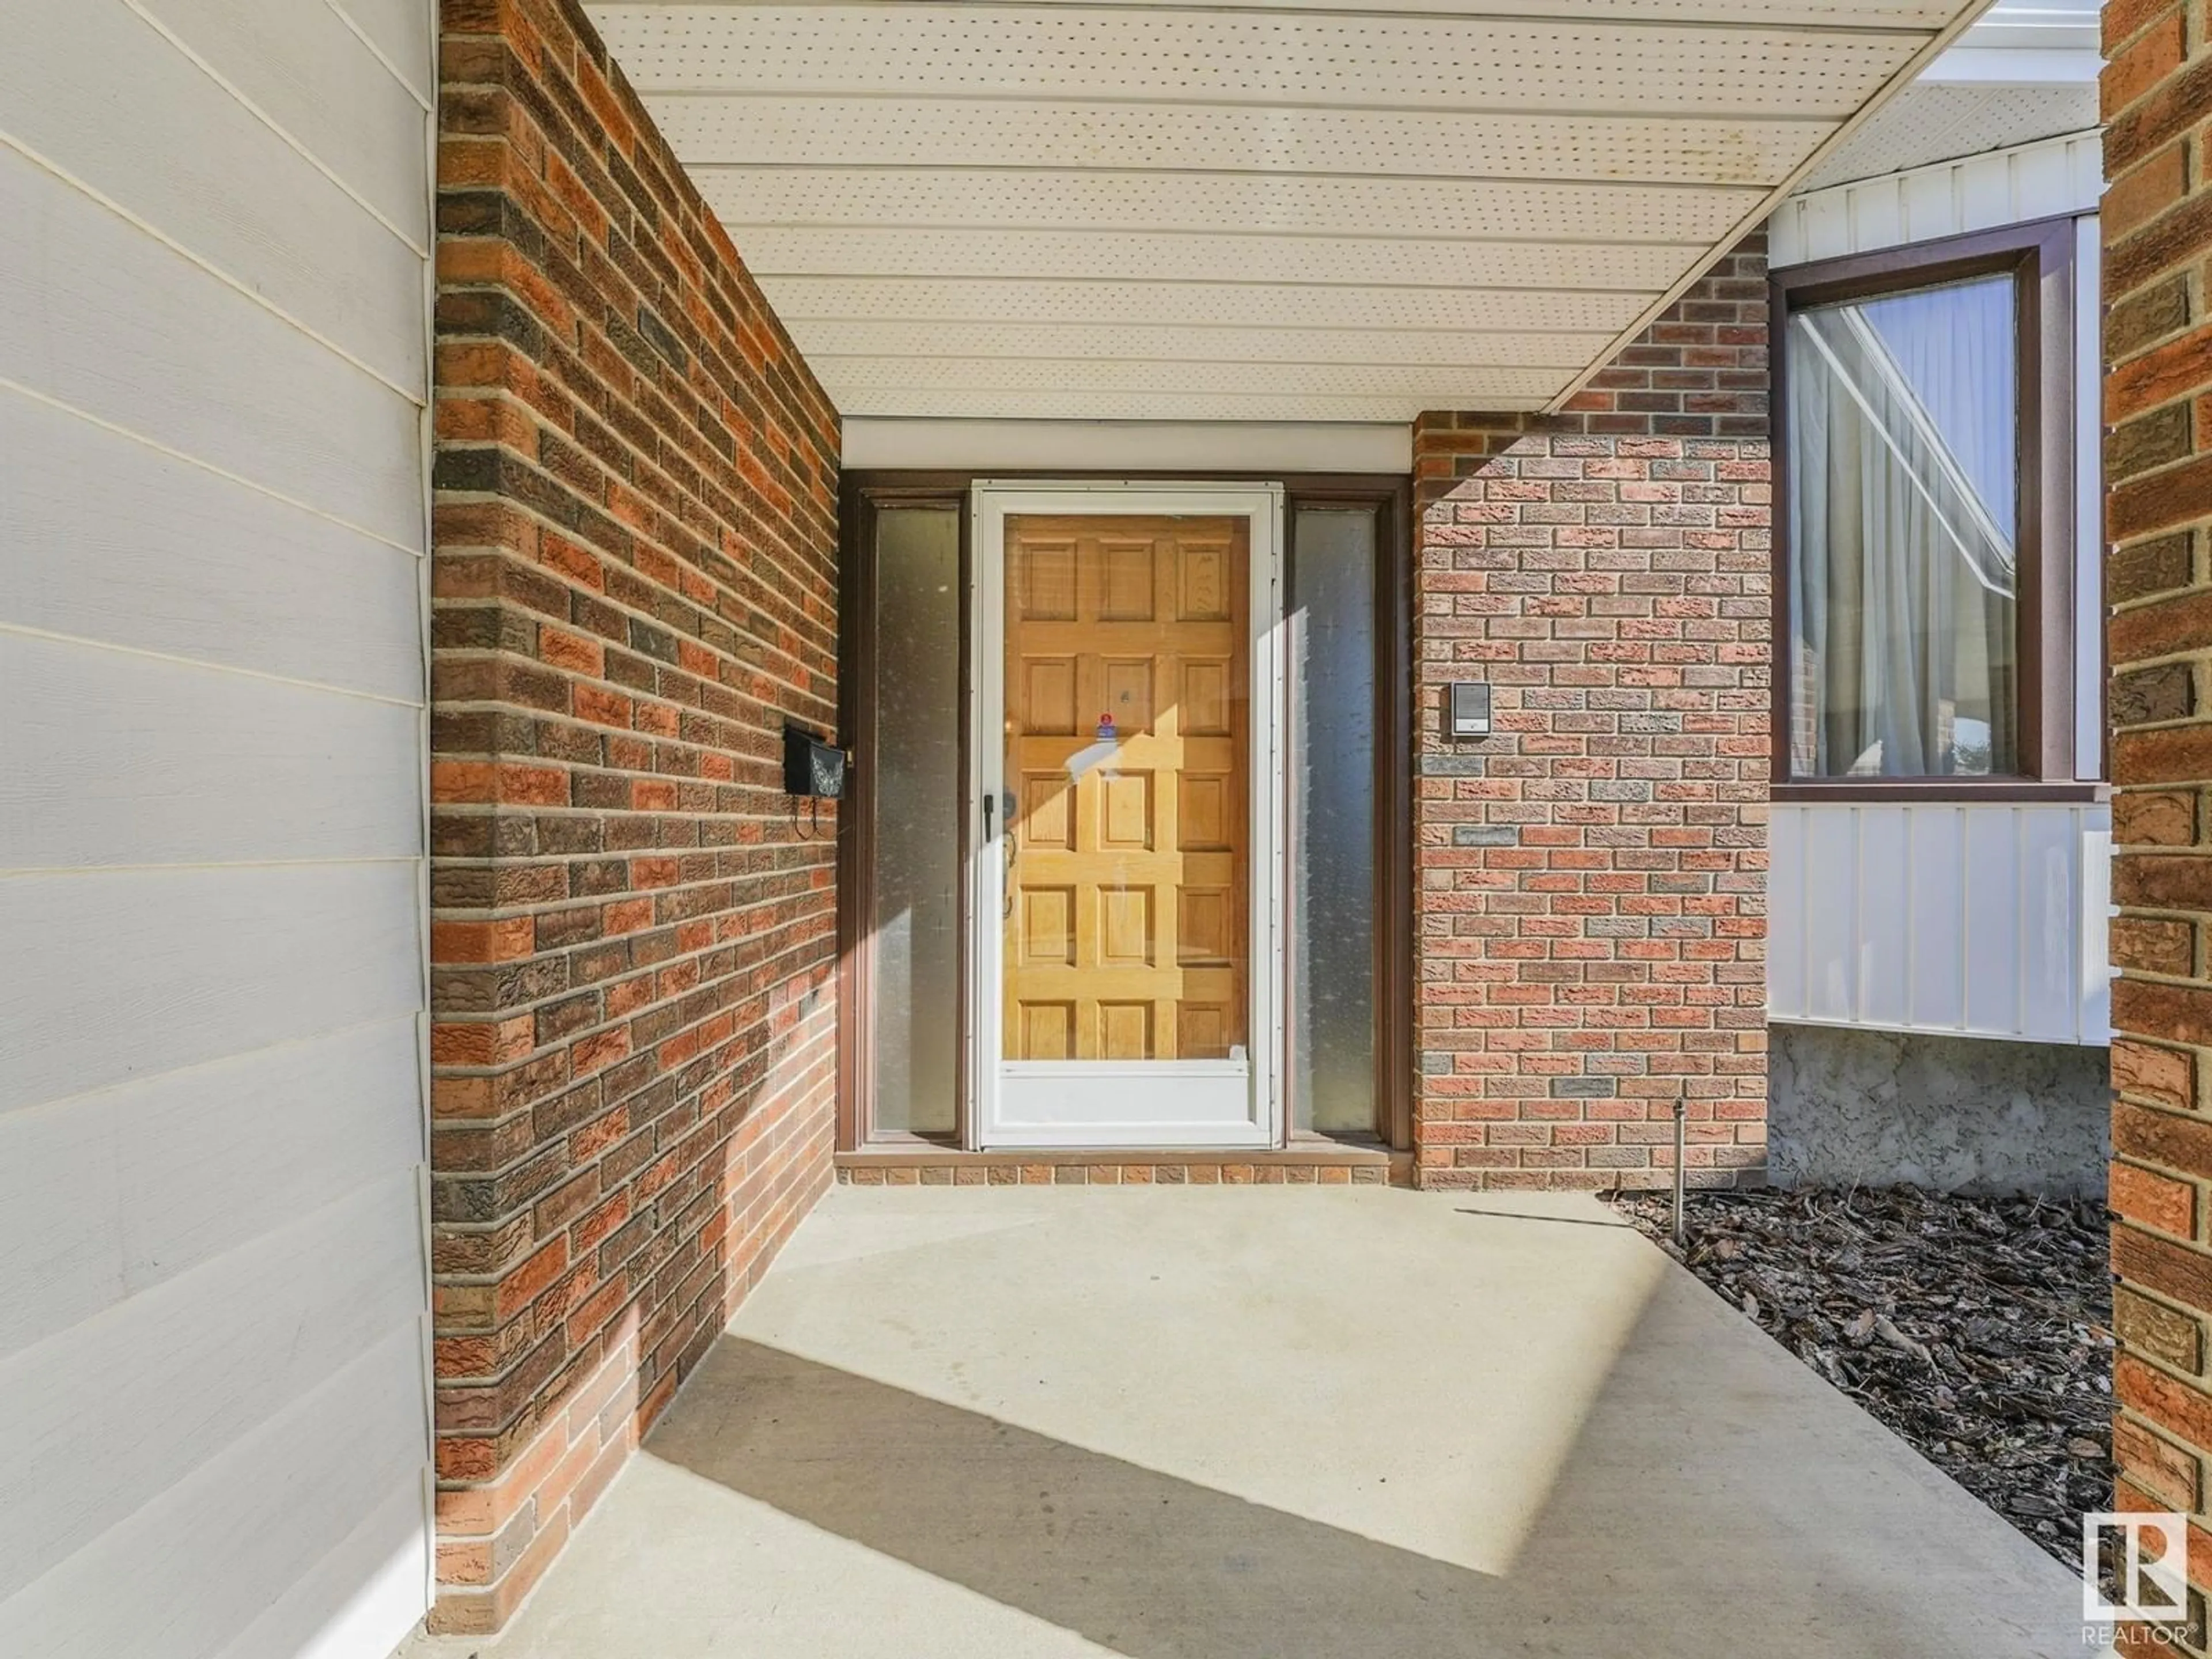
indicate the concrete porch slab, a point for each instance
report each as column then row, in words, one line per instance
column 1007, row 1423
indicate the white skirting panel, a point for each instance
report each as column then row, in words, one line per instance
column 2050, row 178
column 1973, row 920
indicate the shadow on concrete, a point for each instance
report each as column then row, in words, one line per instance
column 1135, row 1560
column 1639, row 1550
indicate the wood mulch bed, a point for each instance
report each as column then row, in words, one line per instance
column 1977, row 1329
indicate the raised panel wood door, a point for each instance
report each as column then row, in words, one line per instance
column 1127, row 715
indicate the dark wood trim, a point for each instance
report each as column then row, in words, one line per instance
column 856, row 825
column 1923, row 265
column 1391, row 501
column 1394, row 819
column 1781, row 671
column 1399, row 987
column 859, row 506
column 866, row 492
column 2039, row 256
column 2057, row 294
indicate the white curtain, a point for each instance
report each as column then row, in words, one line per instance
column 1903, row 514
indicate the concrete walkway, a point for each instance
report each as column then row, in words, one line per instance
column 1269, row 1423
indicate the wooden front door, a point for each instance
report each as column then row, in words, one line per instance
column 1126, row 890
column 1127, row 715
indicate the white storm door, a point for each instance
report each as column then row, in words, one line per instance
column 1127, row 816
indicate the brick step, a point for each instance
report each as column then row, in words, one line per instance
column 1326, row 1164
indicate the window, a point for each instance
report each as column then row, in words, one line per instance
column 1334, row 616
column 1923, row 603
column 912, row 799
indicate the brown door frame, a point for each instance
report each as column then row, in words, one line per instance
column 864, row 494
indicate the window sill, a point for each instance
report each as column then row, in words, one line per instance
column 1955, row 792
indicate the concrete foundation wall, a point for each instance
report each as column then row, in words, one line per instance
column 1956, row 1114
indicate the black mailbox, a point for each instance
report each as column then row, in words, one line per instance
column 813, row 766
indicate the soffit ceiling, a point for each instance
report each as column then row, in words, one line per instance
column 1927, row 124
column 2028, row 70
column 1349, row 211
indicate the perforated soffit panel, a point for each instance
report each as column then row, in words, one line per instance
column 1353, row 210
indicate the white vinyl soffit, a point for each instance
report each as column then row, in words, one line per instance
column 1349, row 211
column 2027, row 70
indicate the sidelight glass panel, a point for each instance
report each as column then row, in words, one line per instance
column 1904, row 424
column 1128, row 789
column 1332, row 1014
column 914, row 757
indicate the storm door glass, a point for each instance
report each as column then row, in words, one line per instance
column 1333, row 784
column 914, row 759
column 1127, row 882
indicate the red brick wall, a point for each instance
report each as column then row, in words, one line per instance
column 2157, row 225
column 633, row 586
column 1592, row 879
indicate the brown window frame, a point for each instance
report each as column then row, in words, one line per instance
column 2039, row 257
column 863, row 494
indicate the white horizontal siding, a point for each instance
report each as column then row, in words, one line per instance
column 341, row 1605
column 404, row 33
column 196, row 1571
column 213, row 523
column 101, row 316
column 111, row 976
column 118, row 758
column 307, row 69
column 1973, row 920
column 106, row 1196
column 113, row 540
column 91, row 1436
column 201, row 168
column 2048, row 180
